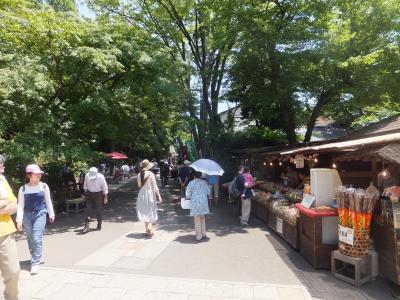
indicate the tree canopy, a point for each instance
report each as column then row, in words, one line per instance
column 298, row 60
column 141, row 72
column 70, row 86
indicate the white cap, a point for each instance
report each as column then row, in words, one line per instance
column 93, row 172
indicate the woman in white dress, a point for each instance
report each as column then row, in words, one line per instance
column 148, row 197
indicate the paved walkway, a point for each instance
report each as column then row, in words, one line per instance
column 120, row 263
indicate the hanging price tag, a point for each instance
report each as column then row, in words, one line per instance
column 346, row 235
column 299, row 160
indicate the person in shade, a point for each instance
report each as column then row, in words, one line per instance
column 96, row 193
column 246, row 195
column 213, row 182
column 34, row 203
column 9, row 262
column 198, row 191
column 148, row 197
column 184, row 177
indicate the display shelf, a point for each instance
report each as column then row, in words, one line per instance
column 385, row 232
column 289, row 232
column 317, row 253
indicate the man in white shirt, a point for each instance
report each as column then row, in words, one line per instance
column 125, row 170
column 96, row 193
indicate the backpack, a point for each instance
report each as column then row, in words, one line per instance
column 233, row 189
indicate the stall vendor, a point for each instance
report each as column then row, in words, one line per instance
column 389, row 177
column 303, row 179
column 290, row 177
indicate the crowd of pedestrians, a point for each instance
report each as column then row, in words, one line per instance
column 34, row 204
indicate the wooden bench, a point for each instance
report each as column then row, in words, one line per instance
column 79, row 204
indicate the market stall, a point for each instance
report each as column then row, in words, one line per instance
column 385, row 232
column 385, row 226
column 365, row 159
column 273, row 203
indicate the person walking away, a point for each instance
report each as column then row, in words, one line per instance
column 82, row 175
column 174, row 174
column 9, row 262
column 96, row 193
column 246, row 195
column 213, row 182
column 164, row 173
column 184, row 177
column 198, row 191
column 34, row 203
column 155, row 168
column 233, row 190
column 148, row 197
column 102, row 168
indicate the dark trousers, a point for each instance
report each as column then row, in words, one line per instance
column 164, row 180
column 94, row 207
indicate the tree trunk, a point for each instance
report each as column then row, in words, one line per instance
column 323, row 99
column 285, row 109
column 286, row 112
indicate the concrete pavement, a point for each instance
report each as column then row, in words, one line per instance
column 120, row 263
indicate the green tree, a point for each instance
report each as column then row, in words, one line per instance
column 296, row 60
column 200, row 33
column 71, row 86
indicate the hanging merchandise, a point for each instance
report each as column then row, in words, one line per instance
column 299, row 161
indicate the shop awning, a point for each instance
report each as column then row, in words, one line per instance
column 354, row 143
column 389, row 153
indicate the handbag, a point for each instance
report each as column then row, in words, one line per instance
column 185, row 203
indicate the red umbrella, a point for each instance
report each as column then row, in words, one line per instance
column 116, row 155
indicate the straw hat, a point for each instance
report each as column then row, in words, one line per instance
column 146, row 165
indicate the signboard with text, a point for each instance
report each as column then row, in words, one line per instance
column 346, row 235
column 308, row 200
column 299, row 160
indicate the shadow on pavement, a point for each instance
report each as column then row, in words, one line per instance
column 121, row 208
column 137, row 235
column 187, row 239
column 320, row 283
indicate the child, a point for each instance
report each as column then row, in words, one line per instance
column 248, row 182
column 33, row 205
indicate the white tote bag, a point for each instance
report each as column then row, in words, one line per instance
column 185, row 204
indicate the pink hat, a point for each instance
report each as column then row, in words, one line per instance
column 33, row 168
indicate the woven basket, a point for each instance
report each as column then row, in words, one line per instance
column 360, row 244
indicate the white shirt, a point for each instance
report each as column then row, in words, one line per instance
column 31, row 190
column 97, row 184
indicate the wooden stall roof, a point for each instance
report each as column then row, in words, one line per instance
column 355, row 144
column 385, row 126
column 389, row 153
column 272, row 150
column 380, row 133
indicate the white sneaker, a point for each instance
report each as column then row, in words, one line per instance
column 35, row 270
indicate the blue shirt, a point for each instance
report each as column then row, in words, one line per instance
column 212, row 179
column 184, row 173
